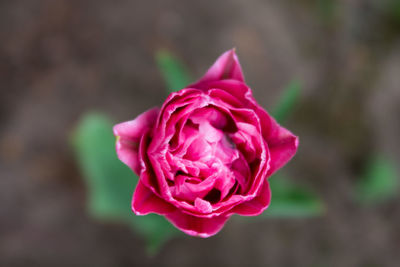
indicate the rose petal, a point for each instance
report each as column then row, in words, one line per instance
column 190, row 191
column 174, row 102
column 282, row 143
column 199, row 149
column 128, row 137
column 242, row 172
column 144, row 201
column 244, row 143
column 227, row 66
column 134, row 129
column 225, row 98
column 237, row 89
column 127, row 152
column 202, row 205
column 197, row 226
column 257, row 205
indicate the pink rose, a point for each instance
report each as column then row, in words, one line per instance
column 206, row 154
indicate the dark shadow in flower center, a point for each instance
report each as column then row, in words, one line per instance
column 213, row 196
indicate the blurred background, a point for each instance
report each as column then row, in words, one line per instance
column 62, row 58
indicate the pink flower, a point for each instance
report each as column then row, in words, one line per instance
column 206, row 154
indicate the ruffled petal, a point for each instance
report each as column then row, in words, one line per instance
column 197, row 226
column 257, row 205
column 144, row 201
column 128, row 137
column 227, row 66
column 281, row 142
column 134, row 129
column 127, row 152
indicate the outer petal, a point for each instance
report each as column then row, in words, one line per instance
column 196, row 226
column 257, row 205
column 128, row 137
column 227, row 66
column 282, row 143
column 236, row 88
column 145, row 201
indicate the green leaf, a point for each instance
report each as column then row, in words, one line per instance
column 173, row 71
column 156, row 229
column 110, row 183
column 390, row 11
column 327, row 10
column 289, row 200
column 287, row 101
column 379, row 181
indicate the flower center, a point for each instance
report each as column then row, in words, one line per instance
column 208, row 166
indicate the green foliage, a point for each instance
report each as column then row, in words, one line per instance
column 172, row 70
column 393, row 10
column 327, row 10
column 155, row 229
column 110, row 183
column 287, row 102
column 289, row 200
column 379, row 181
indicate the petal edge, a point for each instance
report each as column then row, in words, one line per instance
column 144, row 201
column 227, row 66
